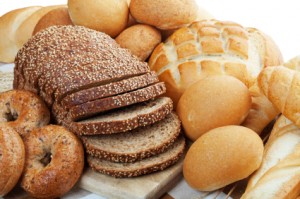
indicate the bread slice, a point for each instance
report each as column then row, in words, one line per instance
column 145, row 166
column 136, row 144
column 108, row 90
column 120, row 120
column 91, row 108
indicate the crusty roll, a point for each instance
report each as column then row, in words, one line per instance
column 12, row 158
column 293, row 63
column 108, row 16
column 140, row 40
column 213, row 102
column 279, row 174
column 165, row 14
column 25, row 30
column 222, row 156
column 9, row 23
column 58, row 16
column 212, row 47
column 281, row 85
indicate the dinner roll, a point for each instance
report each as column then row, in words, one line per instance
column 164, row 14
column 222, row 156
column 140, row 39
column 213, row 102
column 108, row 16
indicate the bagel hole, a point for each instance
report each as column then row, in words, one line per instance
column 10, row 115
column 46, row 159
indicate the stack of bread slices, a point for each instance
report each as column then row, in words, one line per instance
column 106, row 96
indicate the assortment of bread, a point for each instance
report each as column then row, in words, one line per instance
column 87, row 70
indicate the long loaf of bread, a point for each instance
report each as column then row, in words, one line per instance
column 279, row 174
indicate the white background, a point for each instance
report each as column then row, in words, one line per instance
column 279, row 19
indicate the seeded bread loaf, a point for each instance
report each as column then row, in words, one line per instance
column 109, row 89
column 145, row 166
column 137, row 144
column 106, row 104
column 120, row 120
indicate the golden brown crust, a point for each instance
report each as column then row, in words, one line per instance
column 12, row 158
column 23, row 111
column 54, row 162
column 57, row 16
column 140, row 40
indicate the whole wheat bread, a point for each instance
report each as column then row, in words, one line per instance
column 91, row 108
column 136, row 144
column 145, row 166
column 121, row 120
column 108, row 90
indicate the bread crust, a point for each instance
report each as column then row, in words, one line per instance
column 12, row 158
column 159, row 146
column 54, row 162
column 131, row 170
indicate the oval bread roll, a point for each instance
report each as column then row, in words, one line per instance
column 222, row 156
column 213, row 102
column 108, row 16
column 140, row 40
column 164, row 14
column 58, row 16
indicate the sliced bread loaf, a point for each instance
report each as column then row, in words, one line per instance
column 145, row 166
column 121, row 120
column 105, row 104
column 108, row 90
column 136, row 144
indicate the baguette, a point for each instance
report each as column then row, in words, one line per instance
column 279, row 175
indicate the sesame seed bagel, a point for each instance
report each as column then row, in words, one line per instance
column 12, row 158
column 23, row 110
column 70, row 57
column 145, row 166
column 135, row 145
column 101, row 105
column 109, row 89
column 54, row 162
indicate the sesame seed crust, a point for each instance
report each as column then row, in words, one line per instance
column 109, row 89
column 121, row 120
column 146, row 141
column 105, row 104
column 142, row 167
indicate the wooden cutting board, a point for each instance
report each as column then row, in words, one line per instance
column 148, row 186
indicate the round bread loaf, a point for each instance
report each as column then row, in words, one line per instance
column 213, row 102
column 54, row 162
column 164, row 14
column 58, row 16
column 212, row 47
column 108, row 16
column 140, row 40
column 222, row 156
column 12, row 158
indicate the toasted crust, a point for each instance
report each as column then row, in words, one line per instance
column 147, row 115
column 12, row 158
column 101, row 105
column 44, row 178
column 145, row 166
column 108, row 90
column 23, row 111
column 142, row 136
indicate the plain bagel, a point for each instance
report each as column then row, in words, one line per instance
column 54, row 162
column 23, row 110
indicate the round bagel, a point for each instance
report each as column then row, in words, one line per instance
column 12, row 158
column 23, row 110
column 54, row 162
